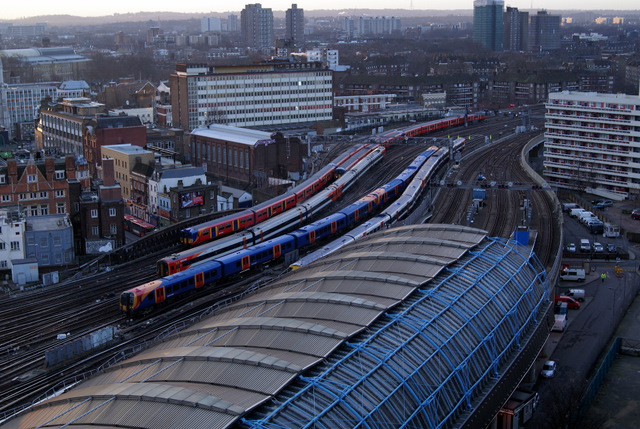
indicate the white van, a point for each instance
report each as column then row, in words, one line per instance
column 575, row 212
column 585, row 216
column 573, row 274
column 577, row 294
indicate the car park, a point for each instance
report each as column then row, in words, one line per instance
column 549, row 369
column 635, row 214
column 572, row 304
column 598, row 247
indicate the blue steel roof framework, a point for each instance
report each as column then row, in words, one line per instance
column 429, row 361
column 407, row 327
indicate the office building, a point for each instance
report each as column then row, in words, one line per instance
column 251, row 95
column 488, row 24
column 544, row 32
column 516, row 30
column 294, row 26
column 592, row 143
column 257, row 27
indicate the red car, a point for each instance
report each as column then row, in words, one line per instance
column 635, row 214
column 571, row 303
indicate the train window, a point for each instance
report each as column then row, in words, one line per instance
column 238, row 264
column 206, row 232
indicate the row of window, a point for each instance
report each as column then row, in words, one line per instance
column 15, row 245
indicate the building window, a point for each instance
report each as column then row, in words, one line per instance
column 2, row 178
column 44, row 194
column 15, row 245
column 2, row 245
column 31, row 178
column 6, row 198
column 59, row 193
column 113, row 229
column 112, row 211
column 3, row 264
column 44, row 209
column 59, row 174
column 94, row 213
column 60, row 208
column 44, row 242
column 95, row 231
column 57, row 240
column 33, row 210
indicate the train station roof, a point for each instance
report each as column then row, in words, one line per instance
column 407, row 326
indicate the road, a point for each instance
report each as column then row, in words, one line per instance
column 577, row 350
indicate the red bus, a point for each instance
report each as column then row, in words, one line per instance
column 137, row 226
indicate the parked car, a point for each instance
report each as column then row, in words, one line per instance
column 549, row 369
column 611, row 248
column 600, row 204
column 571, row 247
column 571, row 303
column 585, row 245
column 577, row 294
column 635, row 214
column 598, row 247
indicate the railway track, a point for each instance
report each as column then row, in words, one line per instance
column 21, row 362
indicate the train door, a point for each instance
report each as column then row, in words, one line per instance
column 277, row 251
column 159, row 294
column 199, row 278
column 236, row 224
column 312, row 236
column 246, row 263
column 356, row 215
column 334, row 227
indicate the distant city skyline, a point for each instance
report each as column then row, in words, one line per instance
column 17, row 10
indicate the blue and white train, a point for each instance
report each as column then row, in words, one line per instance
column 396, row 211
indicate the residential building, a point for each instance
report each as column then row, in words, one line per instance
column 99, row 219
column 210, row 24
column 12, row 228
column 253, row 95
column 592, row 143
column 39, row 187
column 544, row 32
column 294, row 26
column 103, row 131
column 125, row 157
column 516, row 30
column 49, row 239
column 256, row 24
column 61, row 127
column 488, row 24
column 191, row 201
column 159, row 188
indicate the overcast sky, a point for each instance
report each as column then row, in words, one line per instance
column 12, row 9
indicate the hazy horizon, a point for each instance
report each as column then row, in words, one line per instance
column 35, row 8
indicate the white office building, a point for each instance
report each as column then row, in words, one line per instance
column 251, row 95
column 593, row 143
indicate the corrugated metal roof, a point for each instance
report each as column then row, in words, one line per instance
column 242, row 357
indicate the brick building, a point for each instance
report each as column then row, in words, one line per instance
column 111, row 130
column 242, row 157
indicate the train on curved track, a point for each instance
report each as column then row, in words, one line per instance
column 154, row 293
column 227, row 225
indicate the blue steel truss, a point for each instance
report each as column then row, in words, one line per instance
column 432, row 360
